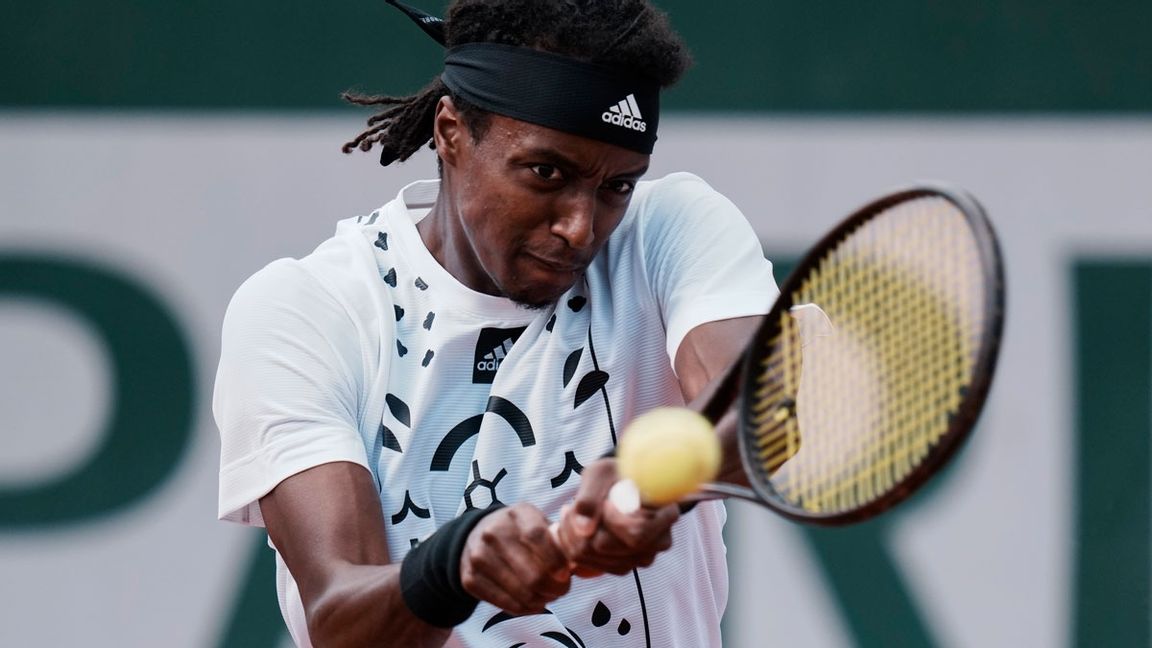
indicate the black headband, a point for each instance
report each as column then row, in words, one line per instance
column 557, row 92
column 549, row 89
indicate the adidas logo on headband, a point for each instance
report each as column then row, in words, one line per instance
column 626, row 114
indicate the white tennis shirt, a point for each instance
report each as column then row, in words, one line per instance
column 368, row 351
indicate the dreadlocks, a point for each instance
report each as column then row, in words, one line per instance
column 629, row 35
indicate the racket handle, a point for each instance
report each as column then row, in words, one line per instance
column 625, row 496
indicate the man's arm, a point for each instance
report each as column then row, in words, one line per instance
column 702, row 360
column 708, row 350
column 327, row 524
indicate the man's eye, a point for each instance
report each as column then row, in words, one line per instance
column 546, row 171
column 622, row 187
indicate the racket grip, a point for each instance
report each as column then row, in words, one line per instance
column 625, row 496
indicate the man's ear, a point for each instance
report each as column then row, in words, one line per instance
column 448, row 131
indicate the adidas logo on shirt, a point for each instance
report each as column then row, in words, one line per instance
column 626, row 114
column 491, row 360
column 492, row 345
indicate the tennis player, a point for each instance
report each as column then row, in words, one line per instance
column 408, row 408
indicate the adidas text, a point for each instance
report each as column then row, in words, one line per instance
column 627, row 121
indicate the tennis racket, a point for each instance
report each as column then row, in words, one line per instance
column 872, row 366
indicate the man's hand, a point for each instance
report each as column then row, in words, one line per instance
column 511, row 561
column 598, row 538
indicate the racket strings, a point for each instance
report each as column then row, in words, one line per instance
column 773, row 409
column 867, row 405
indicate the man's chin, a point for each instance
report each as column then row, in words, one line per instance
column 538, row 299
column 534, row 305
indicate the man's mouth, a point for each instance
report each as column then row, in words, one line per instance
column 557, row 265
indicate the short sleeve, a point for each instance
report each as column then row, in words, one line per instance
column 702, row 257
column 287, row 387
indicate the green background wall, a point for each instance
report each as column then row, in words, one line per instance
column 895, row 56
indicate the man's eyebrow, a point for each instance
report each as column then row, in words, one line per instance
column 550, row 156
column 634, row 173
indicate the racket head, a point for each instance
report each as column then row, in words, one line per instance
column 850, row 397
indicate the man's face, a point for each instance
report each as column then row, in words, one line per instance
column 526, row 208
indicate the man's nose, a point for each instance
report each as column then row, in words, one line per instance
column 575, row 219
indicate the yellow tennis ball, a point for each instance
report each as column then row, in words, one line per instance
column 668, row 453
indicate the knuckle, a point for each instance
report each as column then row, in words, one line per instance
column 536, row 534
column 488, row 526
column 477, row 562
column 468, row 579
column 488, row 535
column 525, row 516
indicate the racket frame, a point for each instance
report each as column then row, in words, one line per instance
column 736, row 389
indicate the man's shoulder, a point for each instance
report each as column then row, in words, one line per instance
column 340, row 270
column 669, row 203
column 671, row 198
column 680, row 183
column 335, row 259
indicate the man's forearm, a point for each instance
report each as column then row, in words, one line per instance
column 362, row 606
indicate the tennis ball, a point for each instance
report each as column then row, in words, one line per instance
column 668, row 453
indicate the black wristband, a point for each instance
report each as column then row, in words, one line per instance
column 430, row 574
